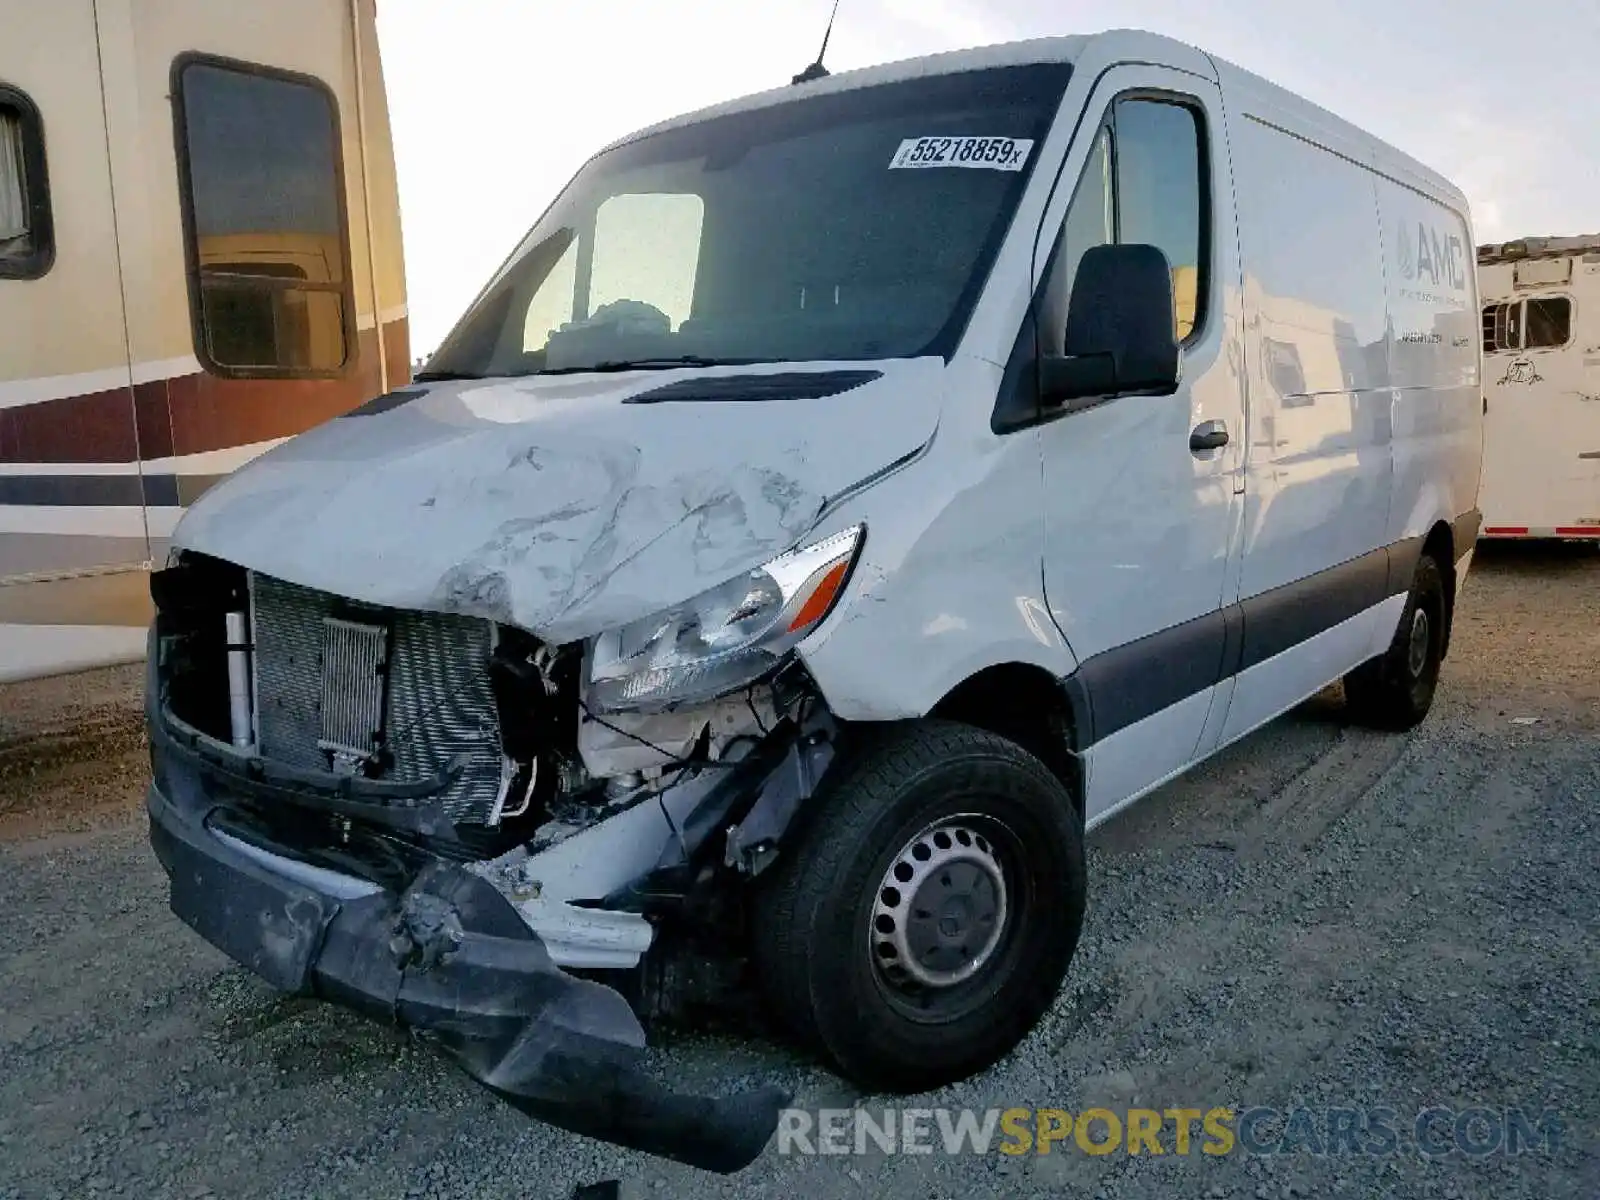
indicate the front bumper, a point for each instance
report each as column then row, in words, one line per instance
column 452, row 959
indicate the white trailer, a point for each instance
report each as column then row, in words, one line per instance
column 1541, row 343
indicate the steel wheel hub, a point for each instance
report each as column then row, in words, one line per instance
column 1418, row 649
column 940, row 910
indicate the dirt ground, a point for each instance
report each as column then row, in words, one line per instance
column 1320, row 916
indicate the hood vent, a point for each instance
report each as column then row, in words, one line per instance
column 793, row 385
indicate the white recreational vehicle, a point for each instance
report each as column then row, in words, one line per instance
column 1541, row 387
column 199, row 256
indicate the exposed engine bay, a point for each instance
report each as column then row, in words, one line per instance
column 374, row 743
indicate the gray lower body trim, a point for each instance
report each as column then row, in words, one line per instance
column 1122, row 686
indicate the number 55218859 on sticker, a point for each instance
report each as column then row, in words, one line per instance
column 982, row 153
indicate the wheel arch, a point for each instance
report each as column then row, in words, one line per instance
column 1440, row 545
column 1029, row 706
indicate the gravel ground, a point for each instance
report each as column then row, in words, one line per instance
column 1320, row 916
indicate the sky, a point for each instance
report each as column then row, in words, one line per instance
column 496, row 103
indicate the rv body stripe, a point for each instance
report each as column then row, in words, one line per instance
column 188, row 414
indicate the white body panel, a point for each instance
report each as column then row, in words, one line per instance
column 1132, row 761
column 1541, row 468
column 1273, row 687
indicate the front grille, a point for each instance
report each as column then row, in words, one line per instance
column 323, row 703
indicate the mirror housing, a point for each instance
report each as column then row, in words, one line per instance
column 1121, row 335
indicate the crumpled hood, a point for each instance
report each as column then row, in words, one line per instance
column 551, row 504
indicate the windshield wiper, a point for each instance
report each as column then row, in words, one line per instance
column 443, row 376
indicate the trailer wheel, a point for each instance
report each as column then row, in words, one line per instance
column 1395, row 690
column 920, row 923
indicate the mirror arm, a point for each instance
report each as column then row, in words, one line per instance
column 1076, row 404
column 1064, row 378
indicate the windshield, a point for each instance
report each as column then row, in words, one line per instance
column 859, row 225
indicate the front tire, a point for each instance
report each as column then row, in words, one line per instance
column 920, row 923
column 1395, row 690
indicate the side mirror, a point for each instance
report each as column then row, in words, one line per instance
column 1121, row 329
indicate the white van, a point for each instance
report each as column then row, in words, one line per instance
column 1541, row 345
column 840, row 500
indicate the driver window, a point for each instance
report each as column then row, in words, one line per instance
column 1160, row 184
column 1144, row 182
column 1090, row 222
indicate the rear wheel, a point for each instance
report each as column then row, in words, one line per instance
column 920, row 923
column 1395, row 690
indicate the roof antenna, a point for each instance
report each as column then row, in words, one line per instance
column 816, row 70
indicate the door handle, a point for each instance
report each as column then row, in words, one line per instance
column 1208, row 435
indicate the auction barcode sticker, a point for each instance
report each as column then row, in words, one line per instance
column 983, row 153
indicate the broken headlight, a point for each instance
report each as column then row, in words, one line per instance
column 724, row 638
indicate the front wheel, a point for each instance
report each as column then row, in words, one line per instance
column 921, row 921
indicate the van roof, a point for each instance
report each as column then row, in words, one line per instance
column 1538, row 247
column 1037, row 50
column 1130, row 44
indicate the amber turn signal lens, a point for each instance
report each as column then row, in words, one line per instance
column 822, row 597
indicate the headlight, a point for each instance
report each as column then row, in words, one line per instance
column 724, row 638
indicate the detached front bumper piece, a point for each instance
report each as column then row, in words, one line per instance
column 449, row 957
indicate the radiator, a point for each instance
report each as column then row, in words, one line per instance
column 335, row 682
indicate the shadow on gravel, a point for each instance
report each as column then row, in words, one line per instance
column 1539, row 558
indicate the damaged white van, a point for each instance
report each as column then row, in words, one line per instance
column 841, row 500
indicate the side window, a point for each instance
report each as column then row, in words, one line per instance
column 27, row 244
column 1548, row 323
column 263, row 197
column 1145, row 181
column 1090, row 222
column 1161, row 193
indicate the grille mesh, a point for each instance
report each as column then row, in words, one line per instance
column 440, row 708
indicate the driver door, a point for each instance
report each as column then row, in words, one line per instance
column 1140, row 515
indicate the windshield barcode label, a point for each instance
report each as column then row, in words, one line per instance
column 982, row 153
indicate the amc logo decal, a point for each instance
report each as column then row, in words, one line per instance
column 1423, row 254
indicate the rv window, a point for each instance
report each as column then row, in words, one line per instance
column 1502, row 328
column 26, row 245
column 1548, row 323
column 263, row 192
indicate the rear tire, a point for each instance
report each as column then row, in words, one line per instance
column 1395, row 690
column 919, row 924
